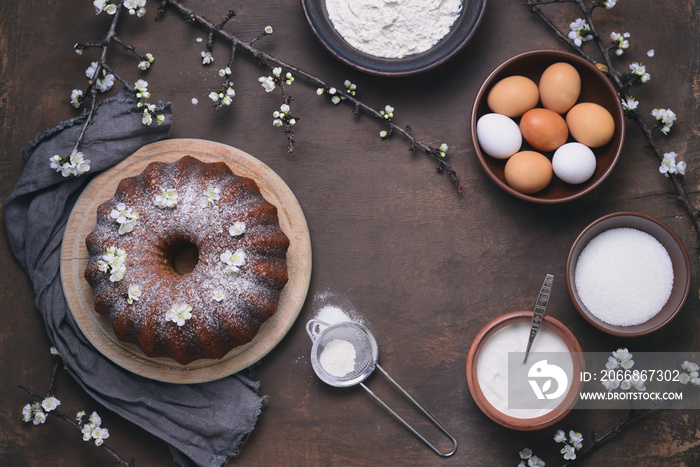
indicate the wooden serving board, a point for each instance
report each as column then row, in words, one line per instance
column 98, row 329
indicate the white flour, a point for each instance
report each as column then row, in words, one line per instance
column 338, row 358
column 393, row 28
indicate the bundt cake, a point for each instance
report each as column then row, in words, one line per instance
column 237, row 280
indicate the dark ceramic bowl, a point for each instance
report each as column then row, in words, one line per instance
column 595, row 87
column 460, row 33
column 665, row 236
column 524, row 424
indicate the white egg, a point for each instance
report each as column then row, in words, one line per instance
column 499, row 136
column 574, row 163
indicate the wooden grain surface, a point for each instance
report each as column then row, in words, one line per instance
column 423, row 266
column 98, row 329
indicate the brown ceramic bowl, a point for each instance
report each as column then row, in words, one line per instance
column 595, row 87
column 670, row 241
column 461, row 32
column 524, row 424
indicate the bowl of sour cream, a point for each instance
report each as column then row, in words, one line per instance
column 393, row 38
column 531, row 395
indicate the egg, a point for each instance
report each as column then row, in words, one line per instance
column 498, row 135
column 591, row 124
column 544, row 129
column 574, row 163
column 559, row 87
column 513, row 96
column 528, row 172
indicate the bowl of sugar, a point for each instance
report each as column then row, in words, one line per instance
column 520, row 395
column 628, row 274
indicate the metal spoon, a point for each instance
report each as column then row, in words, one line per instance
column 540, row 309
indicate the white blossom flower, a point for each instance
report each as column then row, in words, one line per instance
column 630, row 104
column 141, row 87
column 133, row 294
column 125, row 217
column 351, row 89
column 99, row 6
column 267, row 82
column 27, row 412
column 525, row 453
column 336, row 100
column 225, row 72
column 388, row 112
column 195, row 101
column 579, row 32
column 690, row 366
column 50, row 403
column 39, row 417
column 575, row 437
column 146, row 118
column 670, row 166
column 383, row 134
column 54, row 351
column 611, row 384
column 207, row 57
column 99, row 434
column 640, row 71
column 277, row 123
column 621, row 42
column 320, row 91
column 233, row 261
column 277, row 71
column 105, row 83
column 167, row 198
column 569, row 452
column 650, row 53
column 268, row 30
column 535, row 461
column 76, row 97
column 443, row 149
column 610, row 3
column 114, row 263
column 237, row 229
column 111, row 9
column 218, row 295
column 289, row 79
column 666, row 117
column 211, row 196
column 179, row 313
column 560, row 436
column 684, row 378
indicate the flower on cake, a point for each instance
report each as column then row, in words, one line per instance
column 167, row 198
column 233, row 261
column 133, row 294
column 114, row 263
column 179, row 313
column 125, row 217
column 211, row 196
column 218, row 295
column 237, row 229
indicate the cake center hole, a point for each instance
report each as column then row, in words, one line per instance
column 185, row 258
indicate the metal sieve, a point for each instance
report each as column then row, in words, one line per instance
column 366, row 356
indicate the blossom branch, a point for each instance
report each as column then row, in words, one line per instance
column 622, row 82
column 37, row 413
column 271, row 62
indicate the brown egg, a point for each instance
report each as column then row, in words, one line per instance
column 591, row 124
column 528, row 172
column 560, row 86
column 544, row 129
column 513, row 96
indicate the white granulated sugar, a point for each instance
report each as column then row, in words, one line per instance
column 393, row 28
column 338, row 358
column 624, row 276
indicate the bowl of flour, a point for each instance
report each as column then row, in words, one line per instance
column 393, row 37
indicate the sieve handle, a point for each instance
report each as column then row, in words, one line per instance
column 311, row 326
column 406, row 424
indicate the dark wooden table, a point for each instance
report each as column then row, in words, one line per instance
column 424, row 266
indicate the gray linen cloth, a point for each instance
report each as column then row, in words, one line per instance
column 204, row 424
